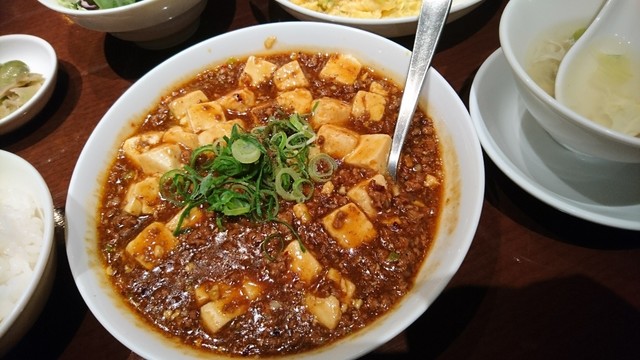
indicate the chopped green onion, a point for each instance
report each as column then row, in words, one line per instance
column 321, row 167
column 245, row 151
column 264, row 245
column 247, row 174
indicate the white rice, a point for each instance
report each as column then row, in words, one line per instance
column 21, row 232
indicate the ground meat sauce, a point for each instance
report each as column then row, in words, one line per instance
column 278, row 321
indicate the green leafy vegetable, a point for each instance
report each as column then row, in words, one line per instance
column 95, row 4
column 108, row 4
column 248, row 173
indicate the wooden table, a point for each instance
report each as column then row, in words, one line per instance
column 536, row 282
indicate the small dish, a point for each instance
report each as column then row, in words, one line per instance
column 389, row 27
column 41, row 58
column 596, row 190
column 23, row 297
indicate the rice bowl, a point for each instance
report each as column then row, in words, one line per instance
column 28, row 266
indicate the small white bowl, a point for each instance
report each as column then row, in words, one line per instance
column 19, row 175
column 388, row 27
column 462, row 157
column 149, row 23
column 41, row 58
column 522, row 24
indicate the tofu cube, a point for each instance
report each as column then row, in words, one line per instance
column 148, row 153
column 218, row 130
column 377, row 88
column 296, row 100
column 369, row 105
column 241, row 100
column 328, row 110
column 216, row 314
column 160, row 159
column 205, row 115
column 337, row 141
column 136, row 145
column 372, row 152
column 151, row 245
column 359, row 194
column 347, row 288
column 223, row 302
column 349, row 226
column 179, row 106
column 341, row 68
column 177, row 135
column 142, row 196
column 259, row 70
column 325, row 310
column 194, row 216
column 290, row 76
column 303, row 263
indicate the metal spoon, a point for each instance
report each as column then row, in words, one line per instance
column 433, row 15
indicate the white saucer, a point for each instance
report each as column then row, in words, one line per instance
column 596, row 190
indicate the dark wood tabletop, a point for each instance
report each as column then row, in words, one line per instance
column 535, row 284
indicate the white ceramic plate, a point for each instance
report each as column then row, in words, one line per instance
column 464, row 171
column 592, row 189
column 391, row 27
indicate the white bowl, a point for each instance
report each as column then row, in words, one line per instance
column 149, row 23
column 463, row 170
column 20, row 176
column 41, row 58
column 389, row 27
column 522, row 23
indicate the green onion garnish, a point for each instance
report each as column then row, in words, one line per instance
column 248, row 173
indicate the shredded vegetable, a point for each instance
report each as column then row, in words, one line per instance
column 17, row 85
column 247, row 173
column 94, row 4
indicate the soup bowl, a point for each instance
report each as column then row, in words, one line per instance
column 463, row 165
column 523, row 24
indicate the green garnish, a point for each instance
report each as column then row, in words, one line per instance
column 246, row 174
column 577, row 34
column 109, row 4
column 273, row 240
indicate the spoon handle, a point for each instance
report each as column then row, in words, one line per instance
column 433, row 15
